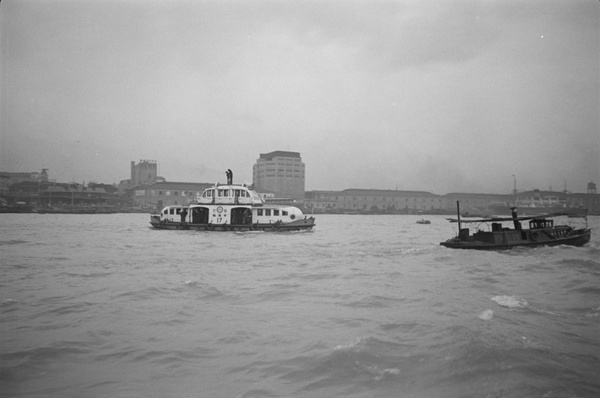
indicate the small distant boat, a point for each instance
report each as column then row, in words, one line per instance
column 231, row 207
column 423, row 221
column 541, row 232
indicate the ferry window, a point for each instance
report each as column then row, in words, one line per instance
column 259, row 212
column 160, row 193
column 275, row 212
column 284, row 213
column 175, row 193
column 267, row 212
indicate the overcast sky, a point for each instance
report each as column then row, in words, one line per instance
column 441, row 96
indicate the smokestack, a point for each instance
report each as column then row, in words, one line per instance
column 515, row 217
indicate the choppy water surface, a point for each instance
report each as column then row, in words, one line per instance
column 364, row 306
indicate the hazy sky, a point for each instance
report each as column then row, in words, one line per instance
column 441, row 96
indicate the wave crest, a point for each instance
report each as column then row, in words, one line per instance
column 510, row 301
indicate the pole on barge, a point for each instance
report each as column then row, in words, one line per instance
column 458, row 213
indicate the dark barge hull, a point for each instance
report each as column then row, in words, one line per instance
column 576, row 238
column 298, row 225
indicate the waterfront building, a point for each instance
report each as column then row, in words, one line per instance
column 11, row 178
column 415, row 202
column 280, row 172
column 145, row 172
column 375, row 201
column 476, row 204
column 23, row 181
column 161, row 194
column 589, row 201
column 56, row 194
column 4, row 183
column 73, row 194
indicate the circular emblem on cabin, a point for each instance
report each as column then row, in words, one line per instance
column 220, row 209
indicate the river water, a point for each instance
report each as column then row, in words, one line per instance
column 363, row 306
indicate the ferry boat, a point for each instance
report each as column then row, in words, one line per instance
column 541, row 232
column 232, row 207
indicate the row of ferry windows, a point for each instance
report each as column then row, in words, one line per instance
column 267, row 212
column 172, row 193
column 225, row 193
column 172, row 210
column 259, row 212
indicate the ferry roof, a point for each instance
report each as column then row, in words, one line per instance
column 231, row 186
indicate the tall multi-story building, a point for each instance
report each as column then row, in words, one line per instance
column 280, row 172
column 143, row 173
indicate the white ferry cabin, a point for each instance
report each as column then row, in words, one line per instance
column 231, row 207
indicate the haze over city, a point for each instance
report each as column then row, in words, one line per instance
column 441, row 96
